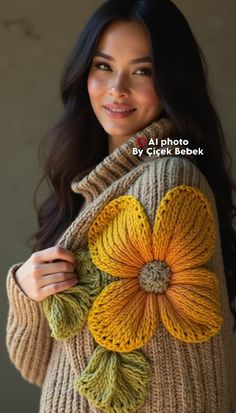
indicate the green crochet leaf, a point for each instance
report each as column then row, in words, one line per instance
column 115, row 382
column 67, row 311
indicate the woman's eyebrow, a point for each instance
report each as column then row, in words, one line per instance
column 134, row 61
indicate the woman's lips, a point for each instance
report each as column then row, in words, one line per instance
column 118, row 113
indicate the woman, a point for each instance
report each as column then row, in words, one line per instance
column 123, row 305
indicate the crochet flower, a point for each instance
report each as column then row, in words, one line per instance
column 161, row 271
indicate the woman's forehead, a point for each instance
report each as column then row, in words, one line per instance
column 123, row 36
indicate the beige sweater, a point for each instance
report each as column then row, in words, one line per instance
column 187, row 378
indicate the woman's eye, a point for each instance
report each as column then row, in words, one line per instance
column 144, row 71
column 102, row 66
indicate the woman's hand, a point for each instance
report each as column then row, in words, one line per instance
column 47, row 272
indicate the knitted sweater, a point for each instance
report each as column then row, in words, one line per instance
column 166, row 359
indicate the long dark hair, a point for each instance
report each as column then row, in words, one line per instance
column 77, row 142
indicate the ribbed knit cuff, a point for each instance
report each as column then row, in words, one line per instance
column 24, row 310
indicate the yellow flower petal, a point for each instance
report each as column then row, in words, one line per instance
column 120, row 238
column 188, row 316
column 195, row 276
column 195, row 302
column 184, row 229
column 123, row 317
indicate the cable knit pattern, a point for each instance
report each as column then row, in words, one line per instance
column 196, row 377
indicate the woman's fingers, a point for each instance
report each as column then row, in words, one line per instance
column 47, row 272
column 56, row 278
column 54, row 288
column 52, row 254
column 39, row 270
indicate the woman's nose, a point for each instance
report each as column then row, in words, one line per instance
column 119, row 87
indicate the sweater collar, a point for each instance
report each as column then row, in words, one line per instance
column 122, row 160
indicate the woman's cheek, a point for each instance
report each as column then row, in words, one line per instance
column 150, row 102
column 95, row 85
column 149, row 95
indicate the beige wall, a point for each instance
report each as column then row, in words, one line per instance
column 35, row 39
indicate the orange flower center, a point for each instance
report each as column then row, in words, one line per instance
column 154, row 277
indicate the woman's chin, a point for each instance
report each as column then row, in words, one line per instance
column 120, row 132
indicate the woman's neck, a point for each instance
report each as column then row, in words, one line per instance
column 115, row 141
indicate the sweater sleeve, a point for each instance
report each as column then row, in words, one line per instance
column 189, row 377
column 28, row 335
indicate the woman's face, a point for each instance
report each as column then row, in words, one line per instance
column 120, row 83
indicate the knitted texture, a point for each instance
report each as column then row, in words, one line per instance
column 126, row 313
column 115, row 382
column 67, row 311
column 185, row 377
